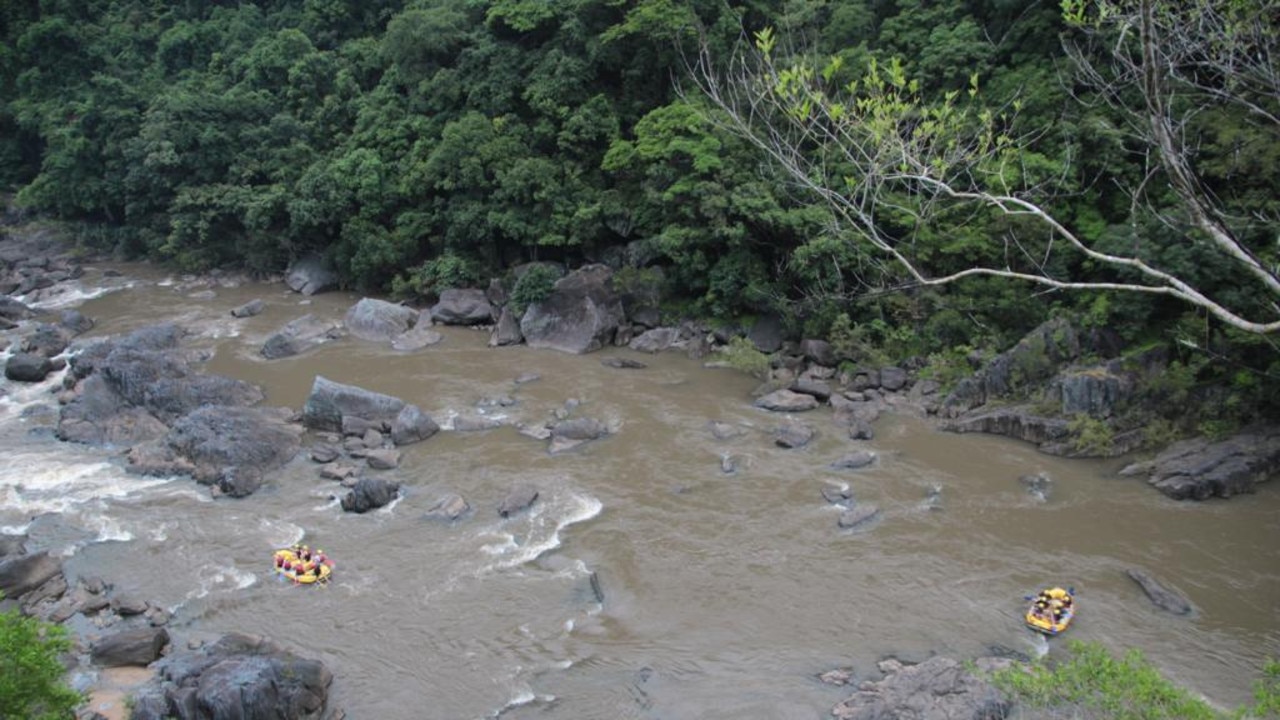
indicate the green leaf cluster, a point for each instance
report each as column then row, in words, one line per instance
column 32, row 677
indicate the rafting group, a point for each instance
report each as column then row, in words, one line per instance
column 303, row 565
column 1051, row 610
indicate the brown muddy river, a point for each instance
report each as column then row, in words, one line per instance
column 724, row 595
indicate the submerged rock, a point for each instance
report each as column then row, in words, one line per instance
column 1163, row 597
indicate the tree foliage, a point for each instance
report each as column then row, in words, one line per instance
column 32, row 678
column 420, row 144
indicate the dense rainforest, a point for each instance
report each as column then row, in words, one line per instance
column 425, row 144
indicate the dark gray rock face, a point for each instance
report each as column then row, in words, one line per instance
column 1164, row 598
column 767, row 333
column 1034, row 359
column 330, row 401
column 937, row 689
column 581, row 315
column 28, row 367
column 229, row 448
column 299, row 336
column 140, row 647
column 47, row 340
column 463, row 306
column 1199, row 469
column 14, row 310
column 507, row 331
column 370, row 494
column 378, row 320
column 21, row 574
column 239, row 677
column 1015, row 422
column 133, row 387
column 310, row 275
column 1095, row 392
column 819, row 351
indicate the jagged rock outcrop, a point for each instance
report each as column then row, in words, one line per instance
column 231, row 448
column 132, row 388
column 239, row 677
column 937, row 689
column 581, row 315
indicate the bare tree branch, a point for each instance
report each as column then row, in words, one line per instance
column 873, row 149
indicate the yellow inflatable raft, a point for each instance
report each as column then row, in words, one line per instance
column 1051, row 611
column 302, row 566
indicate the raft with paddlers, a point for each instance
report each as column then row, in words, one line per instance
column 303, row 565
column 1051, row 610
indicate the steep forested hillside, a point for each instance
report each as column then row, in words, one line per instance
column 426, row 144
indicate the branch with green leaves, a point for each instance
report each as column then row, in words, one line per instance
column 888, row 162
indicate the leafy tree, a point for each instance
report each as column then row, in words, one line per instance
column 32, row 681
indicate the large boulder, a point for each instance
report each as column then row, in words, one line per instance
column 14, row 310
column 1201, row 468
column 329, row 402
column 310, row 275
column 28, row 367
column 140, row 646
column 581, row 315
column 939, row 688
column 24, row 573
column 463, row 306
column 300, row 335
column 133, row 387
column 378, row 320
column 233, row 447
column 767, row 333
column 370, row 494
column 239, row 677
column 47, row 339
column 412, row 425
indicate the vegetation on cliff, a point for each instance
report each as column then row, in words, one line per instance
column 426, row 144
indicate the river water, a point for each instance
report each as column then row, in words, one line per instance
column 724, row 595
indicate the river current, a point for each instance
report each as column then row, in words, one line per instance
column 715, row 595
